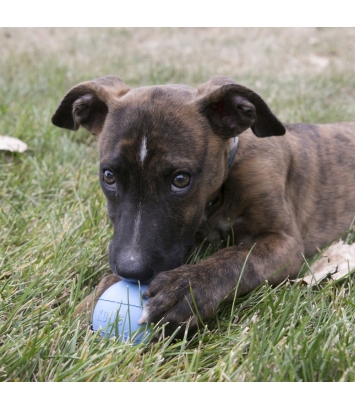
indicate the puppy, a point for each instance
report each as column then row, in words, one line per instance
column 179, row 165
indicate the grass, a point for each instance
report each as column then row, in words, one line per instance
column 55, row 232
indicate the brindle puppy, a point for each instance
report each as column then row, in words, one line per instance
column 172, row 177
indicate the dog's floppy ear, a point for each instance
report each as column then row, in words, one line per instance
column 87, row 103
column 232, row 108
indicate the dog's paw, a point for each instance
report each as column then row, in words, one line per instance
column 186, row 296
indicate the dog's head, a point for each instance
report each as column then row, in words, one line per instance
column 163, row 156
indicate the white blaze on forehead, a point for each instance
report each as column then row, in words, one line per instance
column 143, row 151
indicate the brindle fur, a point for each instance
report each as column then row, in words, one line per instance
column 284, row 196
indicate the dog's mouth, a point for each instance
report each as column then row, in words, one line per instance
column 142, row 281
column 135, row 277
column 138, row 275
column 133, row 271
column 145, row 267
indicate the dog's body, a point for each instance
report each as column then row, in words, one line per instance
column 172, row 178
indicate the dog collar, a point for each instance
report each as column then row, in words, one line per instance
column 233, row 146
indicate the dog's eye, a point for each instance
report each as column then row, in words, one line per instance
column 180, row 181
column 109, row 178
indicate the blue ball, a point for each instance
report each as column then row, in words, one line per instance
column 118, row 310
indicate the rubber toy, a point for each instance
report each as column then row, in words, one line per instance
column 118, row 310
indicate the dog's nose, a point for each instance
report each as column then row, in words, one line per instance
column 133, row 268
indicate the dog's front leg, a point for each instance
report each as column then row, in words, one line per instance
column 192, row 293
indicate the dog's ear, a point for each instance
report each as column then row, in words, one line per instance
column 87, row 104
column 232, row 108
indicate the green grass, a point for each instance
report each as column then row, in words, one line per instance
column 55, row 232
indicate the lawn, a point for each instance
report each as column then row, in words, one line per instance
column 55, row 232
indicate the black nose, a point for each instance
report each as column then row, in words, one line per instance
column 133, row 268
